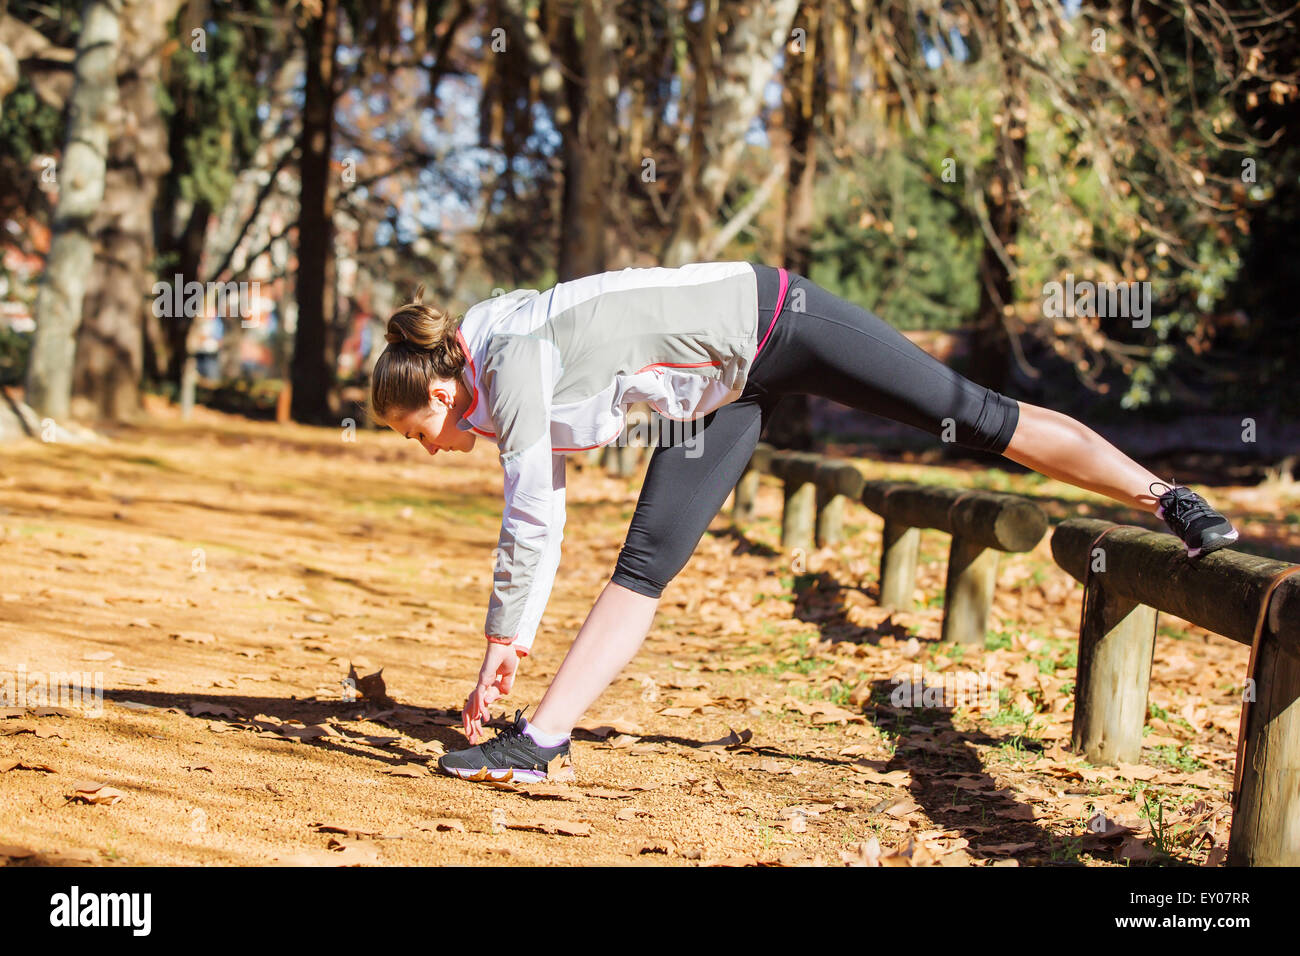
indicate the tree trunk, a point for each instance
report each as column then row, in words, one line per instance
column 63, row 287
column 990, row 363
column 311, row 377
column 802, row 97
column 587, row 147
column 746, row 56
column 110, row 341
column 8, row 73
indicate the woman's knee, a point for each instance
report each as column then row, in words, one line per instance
column 641, row 583
column 992, row 429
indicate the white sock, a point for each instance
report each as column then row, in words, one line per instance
column 543, row 739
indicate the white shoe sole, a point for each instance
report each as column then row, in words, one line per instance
column 496, row 776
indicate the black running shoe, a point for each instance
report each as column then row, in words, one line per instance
column 510, row 755
column 1201, row 528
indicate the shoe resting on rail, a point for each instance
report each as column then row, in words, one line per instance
column 1200, row 527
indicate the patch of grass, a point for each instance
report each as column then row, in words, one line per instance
column 1177, row 757
column 997, row 641
column 837, row 693
column 1153, row 811
column 1067, row 850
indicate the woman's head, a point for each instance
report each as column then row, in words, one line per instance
column 415, row 386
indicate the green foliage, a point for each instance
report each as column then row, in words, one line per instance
column 212, row 101
column 28, row 126
column 894, row 243
column 14, row 349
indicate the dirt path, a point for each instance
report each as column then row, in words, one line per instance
column 220, row 577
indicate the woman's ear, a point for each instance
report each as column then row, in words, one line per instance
column 439, row 392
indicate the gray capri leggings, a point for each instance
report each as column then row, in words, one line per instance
column 811, row 343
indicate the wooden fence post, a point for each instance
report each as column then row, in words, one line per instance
column 1117, row 638
column 1266, row 820
column 830, row 516
column 900, row 547
column 798, row 515
column 837, row 481
column 968, row 592
column 746, row 495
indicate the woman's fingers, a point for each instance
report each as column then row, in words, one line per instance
column 470, row 716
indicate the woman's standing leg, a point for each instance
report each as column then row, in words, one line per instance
column 685, row 486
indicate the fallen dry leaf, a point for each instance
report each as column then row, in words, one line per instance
column 501, row 782
column 1003, row 848
column 604, row 728
column 560, row 827
column 371, row 687
column 732, row 739
column 442, row 825
column 88, row 791
column 202, row 709
column 560, row 770
column 14, row 764
column 344, row 831
column 408, row 770
column 666, row 847
column 607, row 794
column 544, row 791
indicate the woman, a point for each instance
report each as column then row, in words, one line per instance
column 545, row 374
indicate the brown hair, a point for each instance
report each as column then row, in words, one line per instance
column 422, row 345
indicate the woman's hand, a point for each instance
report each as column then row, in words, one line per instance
column 495, row 679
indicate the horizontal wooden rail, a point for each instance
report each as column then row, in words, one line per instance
column 1219, row 592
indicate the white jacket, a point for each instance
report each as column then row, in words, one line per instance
column 554, row 372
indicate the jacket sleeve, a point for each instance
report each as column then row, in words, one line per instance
column 518, row 378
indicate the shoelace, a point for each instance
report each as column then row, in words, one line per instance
column 504, row 735
column 1185, row 506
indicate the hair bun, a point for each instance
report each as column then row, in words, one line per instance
column 394, row 335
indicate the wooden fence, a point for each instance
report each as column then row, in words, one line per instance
column 983, row 524
column 1129, row 574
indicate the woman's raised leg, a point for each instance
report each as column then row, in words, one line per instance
column 1059, row 447
column 842, row 351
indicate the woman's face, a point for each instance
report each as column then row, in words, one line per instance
column 434, row 425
